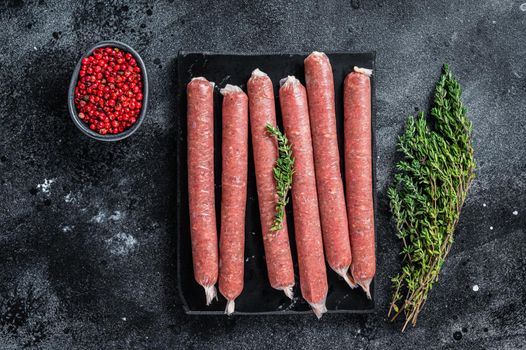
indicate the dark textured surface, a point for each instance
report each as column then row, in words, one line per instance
column 88, row 249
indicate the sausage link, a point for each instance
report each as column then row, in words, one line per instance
column 234, row 194
column 276, row 243
column 307, row 227
column 201, row 197
column 331, row 195
column 358, row 174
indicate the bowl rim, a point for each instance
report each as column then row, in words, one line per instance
column 73, row 83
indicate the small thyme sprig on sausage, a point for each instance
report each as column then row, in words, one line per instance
column 429, row 190
column 283, row 172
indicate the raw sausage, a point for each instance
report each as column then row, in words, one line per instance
column 331, row 196
column 276, row 243
column 358, row 175
column 234, row 193
column 307, row 227
column 203, row 230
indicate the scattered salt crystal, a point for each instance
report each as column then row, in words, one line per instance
column 124, row 318
column 491, row 227
column 515, row 212
column 117, row 215
column 102, row 216
column 99, row 217
column 46, row 185
column 475, row 288
column 69, row 198
column 121, row 244
column 483, row 204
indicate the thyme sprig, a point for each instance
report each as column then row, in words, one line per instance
column 429, row 190
column 283, row 172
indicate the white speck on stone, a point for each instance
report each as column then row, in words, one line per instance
column 124, row 318
column 491, row 228
column 494, row 22
column 484, row 204
column 121, row 244
column 34, row 47
column 100, row 217
column 45, row 187
column 70, row 198
column 103, row 216
column 475, row 288
column 515, row 212
column 523, row 7
column 67, row 228
column 116, row 216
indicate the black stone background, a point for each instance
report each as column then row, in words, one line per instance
column 88, row 261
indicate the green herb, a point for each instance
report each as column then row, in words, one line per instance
column 429, row 190
column 283, row 172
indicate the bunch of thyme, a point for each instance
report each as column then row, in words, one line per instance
column 429, row 190
column 283, row 172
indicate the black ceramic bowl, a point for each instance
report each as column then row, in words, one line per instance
column 73, row 109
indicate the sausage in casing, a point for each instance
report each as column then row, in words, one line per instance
column 233, row 193
column 276, row 243
column 307, row 227
column 331, row 195
column 201, row 196
column 359, row 175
